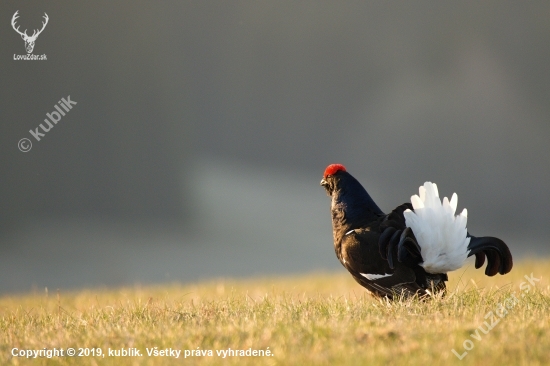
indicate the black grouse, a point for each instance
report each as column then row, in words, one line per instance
column 409, row 251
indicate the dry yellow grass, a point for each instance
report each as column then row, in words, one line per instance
column 324, row 319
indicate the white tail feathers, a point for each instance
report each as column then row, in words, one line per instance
column 441, row 235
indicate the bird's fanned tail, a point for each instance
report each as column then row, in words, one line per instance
column 443, row 242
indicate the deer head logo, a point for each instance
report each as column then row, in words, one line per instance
column 29, row 41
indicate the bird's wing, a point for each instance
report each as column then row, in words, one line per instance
column 396, row 217
column 397, row 241
column 499, row 258
column 360, row 257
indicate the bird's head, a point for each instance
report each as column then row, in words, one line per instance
column 331, row 177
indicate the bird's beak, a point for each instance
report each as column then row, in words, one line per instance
column 326, row 185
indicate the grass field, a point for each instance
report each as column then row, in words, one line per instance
column 324, row 319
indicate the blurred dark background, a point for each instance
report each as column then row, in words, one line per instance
column 202, row 129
